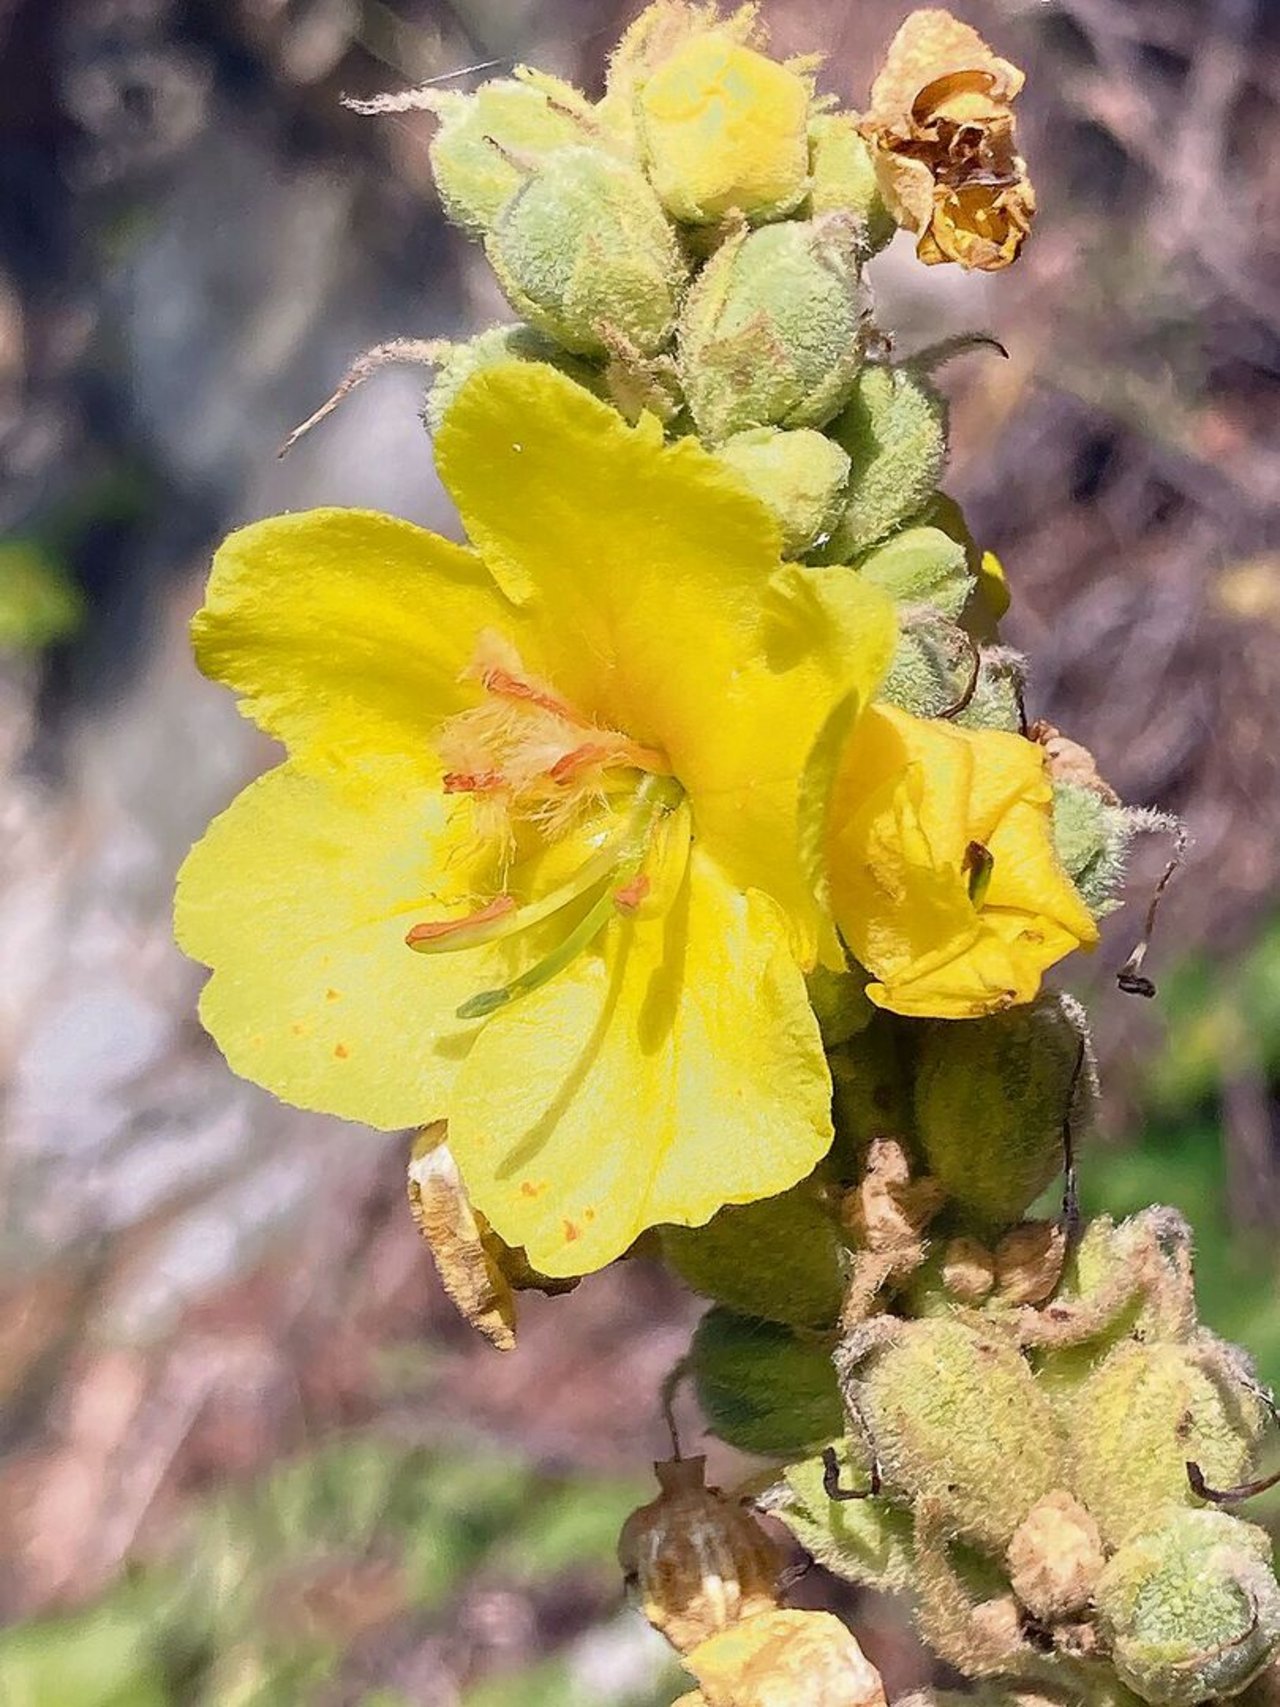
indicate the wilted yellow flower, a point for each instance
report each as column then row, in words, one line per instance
column 944, row 880
column 567, row 767
column 941, row 123
column 785, row 1659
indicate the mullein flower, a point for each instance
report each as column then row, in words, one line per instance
column 566, row 767
column 941, row 124
column 944, row 879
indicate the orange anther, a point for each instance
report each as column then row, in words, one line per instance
column 434, row 929
column 473, row 782
column 506, row 686
column 629, row 897
column 568, row 765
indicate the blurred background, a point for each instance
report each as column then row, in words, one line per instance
column 250, row 1456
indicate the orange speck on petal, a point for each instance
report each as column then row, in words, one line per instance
column 529, row 1189
column 588, row 1214
column 341, row 1051
column 434, row 929
column 571, row 1232
column 332, row 995
column 629, row 897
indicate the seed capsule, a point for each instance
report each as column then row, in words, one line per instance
column 955, row 1419
column 1190, row 1607
column 699, row 1561
column 585, row 254
column 800, row 475
column 1144, row 1413
column 772, row 333
column 762, row 1388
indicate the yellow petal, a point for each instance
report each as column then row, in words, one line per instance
column 299, row 897
column 344, row 631
column 677, row 1069
column 786, row 1659
column 656, row 584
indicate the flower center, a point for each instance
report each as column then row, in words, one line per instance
column 530, row 761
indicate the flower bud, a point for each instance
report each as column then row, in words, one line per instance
column 723, row 130
column 866, row 1541
column 921, row 565
column 772, row 332
column 1144, row 1413
column 997, row 701
column 762, row 1388
column 697, row 1559
column 1092, row 837
column 955, row 1419
column 800, row 476
column 489, row 349
column 488, row 143
column 1055, row 1558
column 780, row 1259
column 934, row 665
column 842, row 179
column 786, row 1659
column 894, row 428
column 991, row 1100
column 1190, row 1607
column 585, row 254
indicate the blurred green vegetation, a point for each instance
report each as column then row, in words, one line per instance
column 38, row 601
column 274, row 1586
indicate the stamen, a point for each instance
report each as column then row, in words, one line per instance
column 979, row 863
column 437, row 930
column 655, row 797
column 473, row 782
column 504, row 685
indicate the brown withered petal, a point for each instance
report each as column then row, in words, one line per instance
column 934, row 68
column 698, row 1560
column 467, row 1253
column 942, row 131
column 1070, row 762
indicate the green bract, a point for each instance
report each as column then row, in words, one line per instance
column 895, row 431
column 489, row 349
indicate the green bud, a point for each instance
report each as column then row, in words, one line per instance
column 1143, row 1414
column 772, row 333
column 895, row 431
column 933, row 665
column 842, row 179
column 800, row 475
column 490, row 349
column 781, row 1259
column 1092, row 838
column 1190, row 1607
column 488, row 143
column 865, row 1541
column 872, row 1096
column 954, row 1416
column 991, row 1099
column 585, row 254
column 997, row 693
column 723, row 131
column 840, row 1004
column 762, row 1388
column 921, row 565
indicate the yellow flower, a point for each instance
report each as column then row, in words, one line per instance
column 784, row 1659
column 943, row 876
column 571, row 767
column 941, row 124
